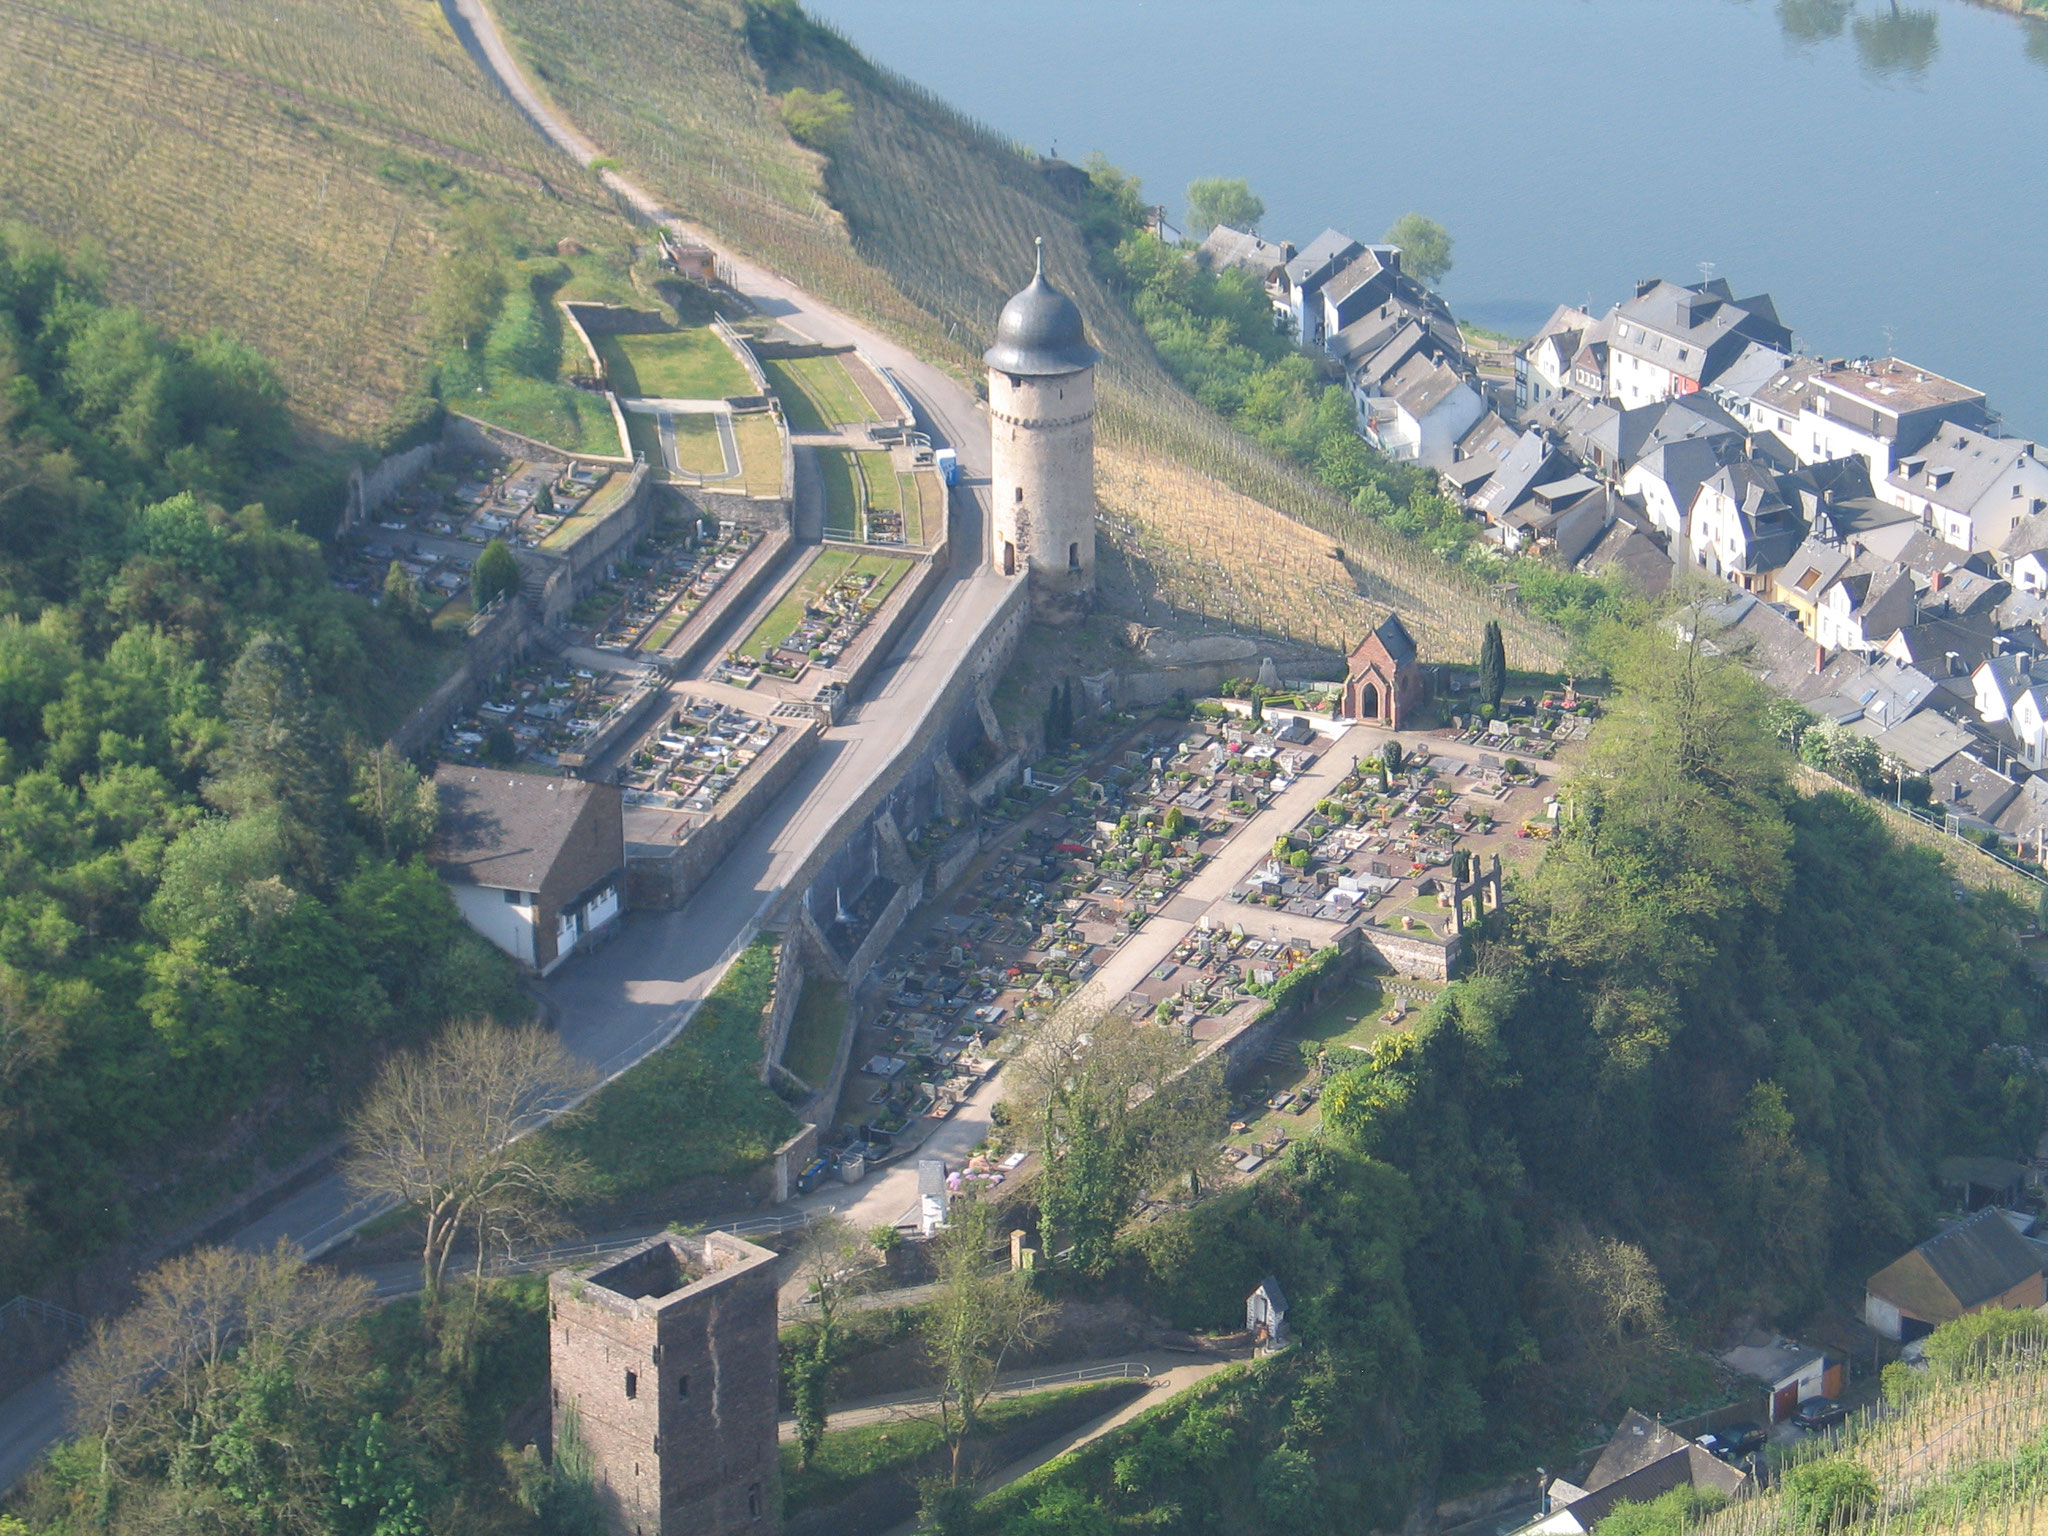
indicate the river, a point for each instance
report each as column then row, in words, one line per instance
column 1869, row 165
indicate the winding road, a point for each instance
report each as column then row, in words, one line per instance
column 615, row 1007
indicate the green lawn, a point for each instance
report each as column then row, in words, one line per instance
column 813, row 1047
column 696, row 1106
column 760, row 444
column 673, row 365
column 602, row 503
column 821, row 573
column 645, row 435
column 817, row 393
column 880, row 475
column 1350, row 1018
column 570, row 419
column 851, row 1456
column 924, row 502
column 843, row 519
column 697, row 445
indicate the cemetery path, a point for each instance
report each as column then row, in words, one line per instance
column 1253, row 845
column 1170, row 1370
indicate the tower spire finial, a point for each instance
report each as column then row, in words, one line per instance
column 1039, row 241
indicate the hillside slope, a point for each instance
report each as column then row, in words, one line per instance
column 922, row 221
column 277, row 170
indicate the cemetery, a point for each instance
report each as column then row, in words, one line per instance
column 697, row 753
column 820, row 615
column 1187, row 869
column 537, row 714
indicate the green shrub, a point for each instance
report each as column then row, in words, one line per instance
column 819, row 119
column 1828, row 1494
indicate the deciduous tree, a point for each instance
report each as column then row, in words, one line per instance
column 1425, row 247
column 980, row 1313
column 444, row 1133
column 1214, row 200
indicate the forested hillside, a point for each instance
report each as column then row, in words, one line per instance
column 212, row 904
column 1709, row 1065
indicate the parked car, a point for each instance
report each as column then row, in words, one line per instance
column 1818, row 1413
column 1732, row 1442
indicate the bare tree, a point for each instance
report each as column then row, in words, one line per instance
column 166, row 1370
column 444, row 1132
column 981, row 1312
column 834, row 1264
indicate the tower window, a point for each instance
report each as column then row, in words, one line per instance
column 1019, row 497
column 753, row 1501
column 632, row 1384
column 683, row 1385
column 1073, row 557
column 1009, row 558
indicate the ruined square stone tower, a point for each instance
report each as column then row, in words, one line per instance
column 667, row 1354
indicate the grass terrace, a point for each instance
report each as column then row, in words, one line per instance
column 760, row 443
column 814, row 1033
column 706, row 1081
column 697, row 447
column 849, row 1457
column 818, row 393
column 843, row 506
column 603, row 502
column 673, row 365
column 826, row 571
column 644, row 432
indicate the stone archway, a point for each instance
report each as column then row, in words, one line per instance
column 1369, row 702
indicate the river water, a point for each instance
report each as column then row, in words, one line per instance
column 1878, row 169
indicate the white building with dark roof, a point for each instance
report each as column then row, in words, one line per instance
column 537, row 864
column 1670, row 340
column 1970, row 489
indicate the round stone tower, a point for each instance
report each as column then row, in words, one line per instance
column 1041, row 403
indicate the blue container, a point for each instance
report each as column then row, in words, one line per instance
column 949, row 465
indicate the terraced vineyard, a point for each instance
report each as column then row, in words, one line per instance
column 282, row 182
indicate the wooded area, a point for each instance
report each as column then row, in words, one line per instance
column 213, row 895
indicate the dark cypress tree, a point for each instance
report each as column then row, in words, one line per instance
column 1493, row 665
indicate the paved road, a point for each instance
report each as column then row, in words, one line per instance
column 617, row 1005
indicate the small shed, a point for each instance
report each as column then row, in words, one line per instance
column 1265, row 1316
column 1792, row 1373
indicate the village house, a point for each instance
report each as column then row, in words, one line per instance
column 1970, row 489
column 1670, row 341
column 1384, row 681
column 1224, row 247
column 1743, row 529
column 537, row 864
column 1298, row 292
column 1977, row 1264
column 1643, row 1460
column 1868, row 599
column 1420, row 411
column 1543, row 364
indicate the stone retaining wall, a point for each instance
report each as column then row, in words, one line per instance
column 762, row 564
column 666, row 878
column 991, row 651
column 1413, row 954
column 369, row 490
column 503, row 639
